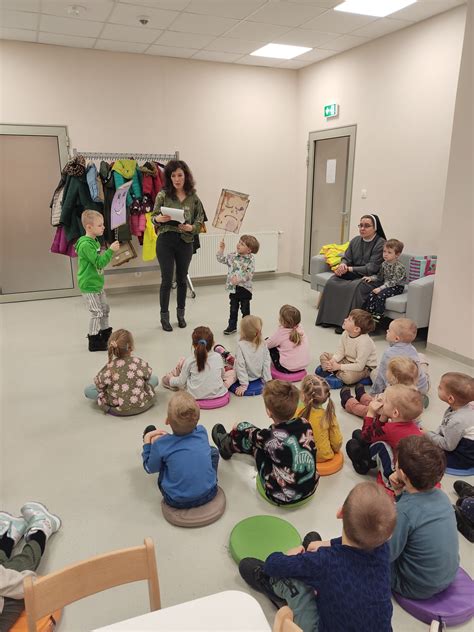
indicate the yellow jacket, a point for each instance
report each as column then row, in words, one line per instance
column 333, row 253
column 328, row 440
column 149, row 240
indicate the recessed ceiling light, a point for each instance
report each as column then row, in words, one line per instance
column 280, row 51
column 377, row 8
column 75, row 10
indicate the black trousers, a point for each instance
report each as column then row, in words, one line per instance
column 275, row 356
column 171, row 250
column 240, row 298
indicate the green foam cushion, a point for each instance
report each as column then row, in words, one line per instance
column 261, row 491
column 259, row 536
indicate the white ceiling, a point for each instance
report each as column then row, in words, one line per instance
column 213, row 30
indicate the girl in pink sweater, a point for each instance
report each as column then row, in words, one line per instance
column 289, row 346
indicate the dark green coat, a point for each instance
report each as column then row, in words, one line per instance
column 76, row 199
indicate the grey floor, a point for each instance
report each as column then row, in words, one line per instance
column 58, row 448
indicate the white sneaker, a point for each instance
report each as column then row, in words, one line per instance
column 39, row 519
column 12, row 527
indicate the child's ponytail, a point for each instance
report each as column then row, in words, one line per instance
column 203, row 341
column 290, row 317
column 315, row 391
column 120, row 344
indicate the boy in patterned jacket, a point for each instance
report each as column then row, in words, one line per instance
column 285, row 453
column 390, row 280
column 240, row 269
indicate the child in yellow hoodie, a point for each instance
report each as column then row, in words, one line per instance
column 327, row 434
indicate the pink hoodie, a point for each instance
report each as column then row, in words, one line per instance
column 292, row 357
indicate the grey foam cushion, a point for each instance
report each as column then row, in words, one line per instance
column 196, row 516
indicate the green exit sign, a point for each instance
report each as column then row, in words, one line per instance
column 330, row 110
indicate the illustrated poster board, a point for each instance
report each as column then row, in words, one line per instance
column 118, row 210
column 231, row 210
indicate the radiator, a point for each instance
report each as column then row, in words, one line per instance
column 205, row 264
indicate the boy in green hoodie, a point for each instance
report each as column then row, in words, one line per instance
column 90, row 277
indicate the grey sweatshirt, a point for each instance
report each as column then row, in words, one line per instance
column 456, row 425
column 252, row 363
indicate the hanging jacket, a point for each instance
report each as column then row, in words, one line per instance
column 125, row 170
column 108, row 182
column 61, row 246
column 56, row 201
column 92, row 182
column 149, row 240
column 76, row 199
column 151, row 180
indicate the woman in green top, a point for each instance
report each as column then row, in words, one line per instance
column 174, row 245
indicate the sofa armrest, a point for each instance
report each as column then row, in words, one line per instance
column 317, row 266
column 420, row 295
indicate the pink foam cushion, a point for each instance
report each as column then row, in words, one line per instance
column 217, row 402
column 454, row 605
column 288, row 377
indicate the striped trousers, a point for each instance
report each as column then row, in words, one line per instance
column 99, row 310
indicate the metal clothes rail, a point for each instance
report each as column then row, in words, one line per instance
column 94, row 155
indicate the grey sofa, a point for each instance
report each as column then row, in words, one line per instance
column 414, row 303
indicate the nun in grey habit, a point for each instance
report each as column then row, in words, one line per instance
column 345, row 290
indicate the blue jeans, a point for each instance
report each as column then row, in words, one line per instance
column 193, row 502
column 91, row 391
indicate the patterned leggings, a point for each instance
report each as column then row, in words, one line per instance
column 375, row 303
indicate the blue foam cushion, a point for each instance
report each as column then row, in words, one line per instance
column 452, row 471
column 255, row 387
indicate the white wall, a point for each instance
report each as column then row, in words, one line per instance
column 233, row 124
column 400, row 91
column 452, row 315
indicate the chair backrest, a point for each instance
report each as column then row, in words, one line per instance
column 46, row 594
column 284, row 621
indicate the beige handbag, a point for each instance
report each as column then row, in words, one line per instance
column 125, row 253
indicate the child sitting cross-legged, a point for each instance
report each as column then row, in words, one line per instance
column 201, row 374
column 388, row 420
column 327, row 435
column 340, row 585
column 186, row 462
column 289, row 345
column 400, row 370
column 424, row 548
column 455, row 435
column 285, row 453
column 356, row 356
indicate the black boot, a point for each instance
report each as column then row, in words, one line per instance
column 180, row 316
column 105, row 334
column 165, row 321
column 223, row 441
column 251, row 571
column 148, row 429
column 97, row 343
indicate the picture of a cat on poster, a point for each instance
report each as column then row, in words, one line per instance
column 231, row 210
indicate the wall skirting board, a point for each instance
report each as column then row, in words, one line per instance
column 450, row 354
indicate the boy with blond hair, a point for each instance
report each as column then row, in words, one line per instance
column 90, row 277
column 240, row 270
column 343, row 584
column 400, row 335
column 186, row 463
column 376, row 444
column 455, row 435
column 356, row 356
column 285, row 453
column 424, row 548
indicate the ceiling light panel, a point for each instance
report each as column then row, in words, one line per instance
column 280, row 51
column 376, row 8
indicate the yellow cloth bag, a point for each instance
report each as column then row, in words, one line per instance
column 333, row 253
column 149, row 240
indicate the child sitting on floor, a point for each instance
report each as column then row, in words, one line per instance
column 125, row 386
column 201, row 374
column 356, row 356
column 341, row 585
column 284, row 453
column 400, row 334
column 289, row 346
column 464, row 509
column 455, row 435
column 252, row 360
column 326, row 432
column 400, row 370
column 36, row 525
column 376, row 444
column 424, row 548
column 186, row 462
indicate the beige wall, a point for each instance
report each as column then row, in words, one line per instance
column 400, row 91
column 452, row 315
column 233, row 124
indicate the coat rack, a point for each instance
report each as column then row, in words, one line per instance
column 93, row 155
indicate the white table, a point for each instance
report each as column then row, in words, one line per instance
column 228, row 610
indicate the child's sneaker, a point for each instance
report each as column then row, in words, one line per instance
column 345, row 394
column 39, row 519
column 359, row 391
column 221, row 350
column 13, row 528
column 312, row 536
column 251, row 571
column 229, row 330
column 223, row 441
column 148, row 429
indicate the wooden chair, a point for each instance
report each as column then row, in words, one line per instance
column 284, row 621
column 46, row 594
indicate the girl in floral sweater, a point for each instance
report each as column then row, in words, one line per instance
column 125, row 385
